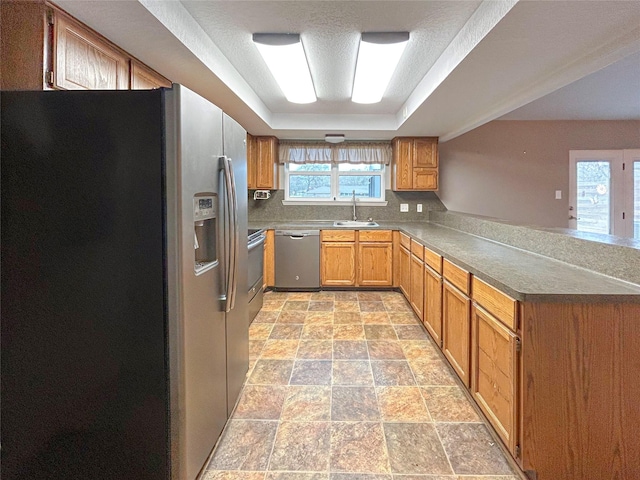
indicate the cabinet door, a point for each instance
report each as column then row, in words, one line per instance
column 84, row 61
column 338, row 264
column 425, row 179
column 251, row 162
column 456, row 326
column 269, row 272
column 143, row 78
column 266, row 162
column 405, row 272
column 433, row 304
column 402, row 171
column 416, row 298
column 494, row 377
column 375, row 264
column 425, row 152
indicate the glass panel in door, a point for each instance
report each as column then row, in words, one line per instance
column 593, row 181
column 636, row 199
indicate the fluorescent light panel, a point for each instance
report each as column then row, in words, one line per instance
column 284, row 55
column 378, row 57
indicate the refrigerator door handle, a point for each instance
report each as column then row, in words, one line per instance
column 229, row 233
column 236, row 235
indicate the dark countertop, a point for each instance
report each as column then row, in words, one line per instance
column 523, row 275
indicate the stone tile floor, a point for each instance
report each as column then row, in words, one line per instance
column 347, row 386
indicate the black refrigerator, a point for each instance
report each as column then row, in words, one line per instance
column 124, row 335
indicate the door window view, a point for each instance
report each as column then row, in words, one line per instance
column 636, row 199
column 594, row 194
column 605, row 191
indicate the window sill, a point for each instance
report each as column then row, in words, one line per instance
column 336, row 203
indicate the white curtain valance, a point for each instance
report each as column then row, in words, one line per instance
column 347, row 152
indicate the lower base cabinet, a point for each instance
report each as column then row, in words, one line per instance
column 558, row 382
column 375, row 264
column 494, row 379
column 269, row 263
column 350, row 258
column 433, row 304
column 416, row 288
column 456, row 330
column 405, row 272
column 338, row 264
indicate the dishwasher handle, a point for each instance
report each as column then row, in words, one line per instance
column 297, row 234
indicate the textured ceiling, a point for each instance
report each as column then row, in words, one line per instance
column 467, row 63
column 330, row 33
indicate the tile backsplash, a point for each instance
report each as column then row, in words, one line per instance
column 273, row 209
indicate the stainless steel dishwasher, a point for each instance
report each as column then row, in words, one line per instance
column 297, row 259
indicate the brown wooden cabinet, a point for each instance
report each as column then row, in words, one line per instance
column 415, row 163
column 356, row 258
column 269, row 272
column 143, row 78
column 405, row 272
column 494, row 379
column 262, row 163
column 82, row 60
column 338, row 258
column 433, row 304
column 416, row 286
column 44, row 48
column 456, row 319
column 375, row 258
column 456, row 330
column 579, row 390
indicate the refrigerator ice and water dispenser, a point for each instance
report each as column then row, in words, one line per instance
column 205, row 219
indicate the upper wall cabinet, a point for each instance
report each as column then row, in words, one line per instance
column 415, row 164
column 262, row 163
column 44, row 48
column 82, row 60
column 143, row 78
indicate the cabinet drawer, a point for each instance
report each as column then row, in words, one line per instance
column 457, row 276
column 375, row 235
column 417, row 249
column 405, row 241
column 338, row 235
column 494, row 301
column 432, row 259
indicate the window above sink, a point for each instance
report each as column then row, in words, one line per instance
column 322, row 174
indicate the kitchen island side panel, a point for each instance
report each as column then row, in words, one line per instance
column 580, row 416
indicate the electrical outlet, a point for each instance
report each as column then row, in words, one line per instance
column 419, row 208
column 404, row 207
column 558, row 194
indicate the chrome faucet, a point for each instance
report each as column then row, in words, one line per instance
column 354, row 206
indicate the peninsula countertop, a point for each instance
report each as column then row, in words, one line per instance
column 523, row 275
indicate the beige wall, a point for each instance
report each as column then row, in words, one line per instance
column 511, row 169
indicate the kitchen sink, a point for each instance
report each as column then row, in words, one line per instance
column 354, row 224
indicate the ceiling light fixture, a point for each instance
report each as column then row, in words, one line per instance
column 284, row 55
column 334, row 138
column 378, row 56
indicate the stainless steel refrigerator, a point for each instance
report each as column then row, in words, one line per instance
column 124, row 323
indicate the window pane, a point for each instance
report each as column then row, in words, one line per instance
column 594, row 191
column 309, row 186
column 360, row 167
column 636, row 199
column 365, row 186
column 309, row 167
